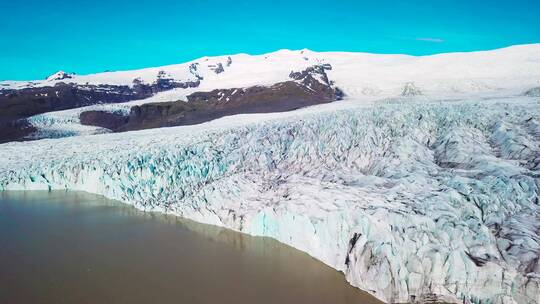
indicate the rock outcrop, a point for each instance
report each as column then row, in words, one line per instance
column 17, row 105
column 310, row 87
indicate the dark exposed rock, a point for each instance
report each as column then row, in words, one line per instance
column 291, row 94
column 109, row 120
column 164, row 83
column 206, row 106
column 308, row 75
column 16, row 130
column 310, row 87
column 20, row 104
column 194, row 70
column 218, row 68
column 229, row 61
column 316, row 79
column 17, row 104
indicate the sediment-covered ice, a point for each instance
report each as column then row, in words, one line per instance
column 412, row 201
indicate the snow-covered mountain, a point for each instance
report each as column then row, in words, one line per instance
column 421, row 185
column 357, row 74
column 512, row 70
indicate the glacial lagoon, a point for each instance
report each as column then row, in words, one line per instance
column 74, row 247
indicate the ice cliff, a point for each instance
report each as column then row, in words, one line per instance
column 432, row 201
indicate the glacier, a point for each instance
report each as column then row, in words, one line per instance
column 413, row 200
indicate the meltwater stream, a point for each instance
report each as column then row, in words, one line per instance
column 72, row 247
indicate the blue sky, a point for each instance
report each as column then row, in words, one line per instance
column 38, row 38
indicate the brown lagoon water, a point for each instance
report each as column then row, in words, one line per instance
column 70, row 247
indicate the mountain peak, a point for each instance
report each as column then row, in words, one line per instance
column 59, row 76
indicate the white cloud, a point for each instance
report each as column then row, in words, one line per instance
column 436, row 40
